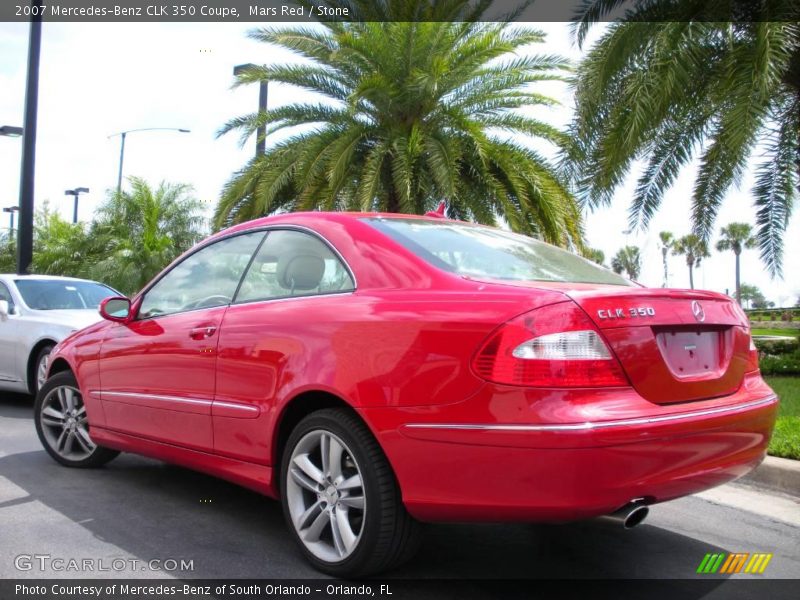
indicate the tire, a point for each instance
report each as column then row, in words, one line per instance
column 40, row 369
column 61, row 424
column 385, row 534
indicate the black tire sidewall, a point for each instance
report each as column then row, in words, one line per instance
column 42, row 353
column 327, row 420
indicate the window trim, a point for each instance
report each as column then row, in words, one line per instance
column 235, row 301
column 266, row 229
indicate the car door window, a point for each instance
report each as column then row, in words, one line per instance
column 293, row 263
column 206, row 279
column 6, row 295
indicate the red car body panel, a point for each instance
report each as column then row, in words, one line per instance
column 208, row 388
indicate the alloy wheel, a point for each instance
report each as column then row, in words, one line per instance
column 64, row 425
column 325, row 495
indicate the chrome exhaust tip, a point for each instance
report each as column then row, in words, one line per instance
column 630, row 515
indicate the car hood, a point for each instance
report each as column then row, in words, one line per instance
column 75, row 319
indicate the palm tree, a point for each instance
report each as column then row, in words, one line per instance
column 410, row 113
column 671, row 81
column 736, row 237
column 61, row 247
column 695, row 250
column 667, row 242
column 595, row 255
column 629, row 260
column 142, row 231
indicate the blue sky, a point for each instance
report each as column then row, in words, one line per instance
column 99, row 79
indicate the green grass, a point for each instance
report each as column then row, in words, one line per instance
column 786, row 439
column 780, row 332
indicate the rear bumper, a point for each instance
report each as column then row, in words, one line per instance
column 457, row 469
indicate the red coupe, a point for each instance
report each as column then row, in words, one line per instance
column 376, row 370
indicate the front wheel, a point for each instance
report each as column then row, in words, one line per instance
column 40, row 368
column 62, row 426
column 340, row 497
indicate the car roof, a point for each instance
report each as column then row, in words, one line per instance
column 48, row 277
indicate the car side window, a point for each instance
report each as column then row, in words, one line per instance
column 293, row 263
column 5, row 294
column 205, row 279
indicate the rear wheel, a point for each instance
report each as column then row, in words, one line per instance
column 340, row 497
column 62, row 426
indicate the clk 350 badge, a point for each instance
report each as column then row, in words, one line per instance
column 632, row 313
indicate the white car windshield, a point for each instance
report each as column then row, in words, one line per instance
column 486, row 252
column 55, row 294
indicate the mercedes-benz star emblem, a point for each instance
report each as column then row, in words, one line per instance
column 698, row 312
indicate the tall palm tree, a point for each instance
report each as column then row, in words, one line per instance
column 736, row 237
column 675, row 79
column 629, row 260
column 667, row 242
column 410, row 113
column 694, row 249
column 143, row 230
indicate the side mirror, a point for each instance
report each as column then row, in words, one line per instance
column 3, row 310
column 116, row 308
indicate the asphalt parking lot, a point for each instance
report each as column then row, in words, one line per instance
column 141, row 509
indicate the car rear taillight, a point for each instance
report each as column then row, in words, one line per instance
column 752, row 356
column 553, row 346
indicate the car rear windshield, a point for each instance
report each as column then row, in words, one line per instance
column 54, row 294
column 486, row 252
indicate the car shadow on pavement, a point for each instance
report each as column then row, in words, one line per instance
column 16, row 406
column 152, row 510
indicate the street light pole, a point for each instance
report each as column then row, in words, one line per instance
column 10, row 210
column 76, row 192
column 122, row 135
column 25, row 233
column 261, row 132
column 121, row 158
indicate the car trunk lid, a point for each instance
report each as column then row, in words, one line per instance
column 674, row 345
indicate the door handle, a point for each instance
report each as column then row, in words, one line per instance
column 202, row 333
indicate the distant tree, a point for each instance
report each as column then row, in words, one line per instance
column 8, row 253
column 694, row 249
column 736, row 237
column 751, row 295
column 629, row 260
column 142, row 230
column 595, row 255
column 667, row 242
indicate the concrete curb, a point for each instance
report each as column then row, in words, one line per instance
column 781, row 474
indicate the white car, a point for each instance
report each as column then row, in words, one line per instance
column 37, row 312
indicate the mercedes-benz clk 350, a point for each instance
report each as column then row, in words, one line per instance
column 375, row 371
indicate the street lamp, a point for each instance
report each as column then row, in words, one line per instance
column 261, row 132
column 76, row 192
column 122, row 134
column 11, row 131
column 11, row 210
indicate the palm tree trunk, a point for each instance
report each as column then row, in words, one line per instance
column 738, row 283
column 691, row 276
column 666, row 272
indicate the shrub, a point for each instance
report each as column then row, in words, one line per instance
column 786, row 316
column 783, row 364
column 775, row 346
